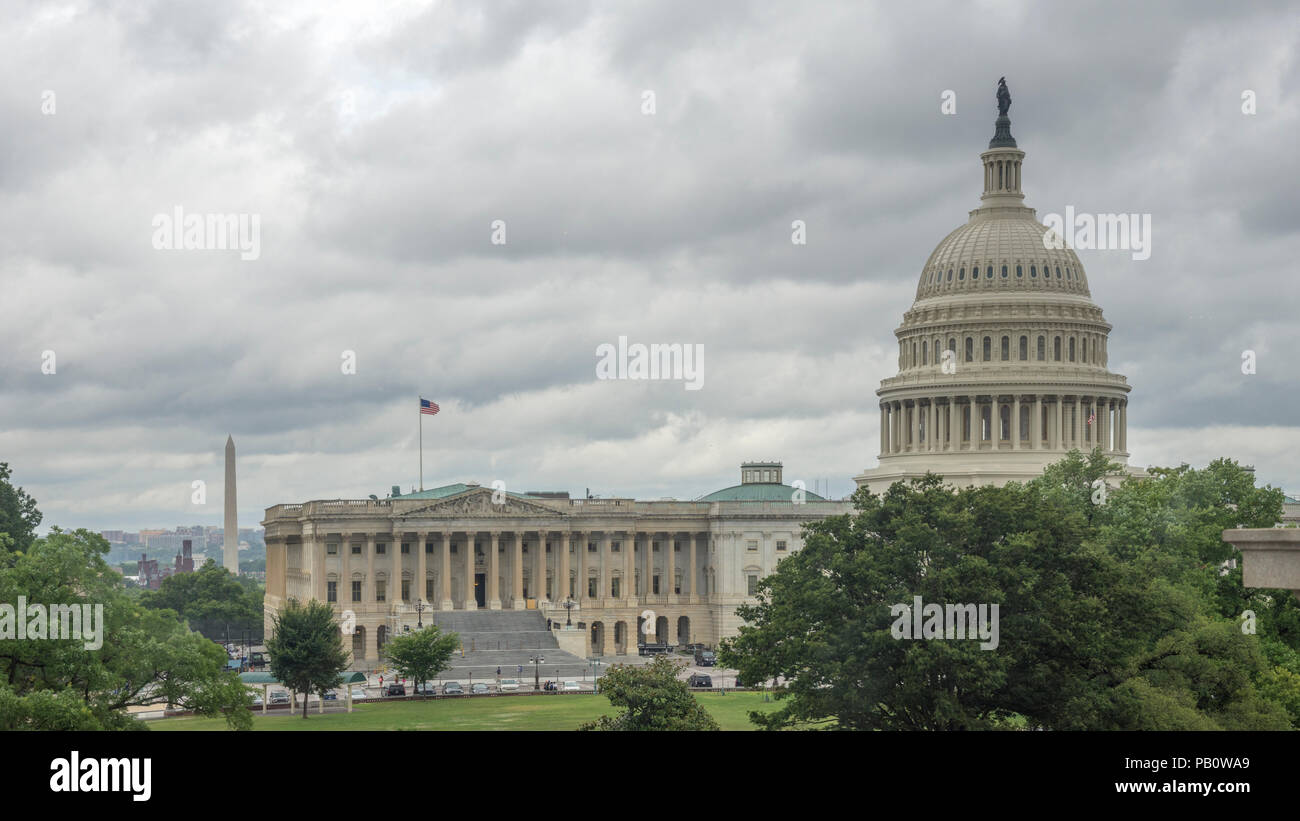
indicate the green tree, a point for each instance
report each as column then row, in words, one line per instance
column 213, row 601
column 306, row 648
column 652, row 698
column 1108, row 612
column 18, row 514
column 422, row 654
column 146, row 656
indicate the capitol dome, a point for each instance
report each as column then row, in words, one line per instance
column 1002, row 358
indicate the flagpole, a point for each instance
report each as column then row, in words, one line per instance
column 420, row 413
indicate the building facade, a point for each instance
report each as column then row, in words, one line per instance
column 1003, row 356
column 683, row 567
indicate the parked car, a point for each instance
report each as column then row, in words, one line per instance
column 480, row 689
column 700, row 680
column 395, row 690
column 509, row 685
column 331, row 695
column 452, row 688
column 279, row 697
column 705, row 658
column 257, row 701
column 358, row 694
column 571, row 687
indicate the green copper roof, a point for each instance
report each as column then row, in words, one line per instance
column 758, row 492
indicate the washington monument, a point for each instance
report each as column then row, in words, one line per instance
column 231, row 548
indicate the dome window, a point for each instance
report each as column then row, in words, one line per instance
column 1024, row 348
column 1006, row 348
column 988, row 272
column 1033, row 272
column 961, row 275
column 1042, row 349
column 1004, row 272
column 1058, row 272
column 988, row 349
column 950, row 275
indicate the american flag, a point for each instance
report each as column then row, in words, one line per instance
column 1092, row 417
column 428, row 407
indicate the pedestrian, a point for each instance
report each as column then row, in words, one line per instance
column 498, row 672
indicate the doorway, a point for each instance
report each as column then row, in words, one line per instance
column 480, row 589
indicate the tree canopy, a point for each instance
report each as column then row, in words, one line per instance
column 421, row 654
column 652, row 698
column 18, row 514
column 306, row 649
column 212, row 600
column 1112, row 615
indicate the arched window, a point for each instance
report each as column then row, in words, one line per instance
column 913, row 361
column 988, row 272
column 1004, row 423
column 1084, row 354
column 1033, row 272
column 961, row 275
column 1068, row 275
column 1071, row 349
column 1042, row 348
column 952, row 346
column 925, row 352
column 1006, row 348
column 1056, row 346
column 988, row 348
column 1058, row 272
column 970, row 349
column 950, row 275
column 1024, row 348
column 1004, row 272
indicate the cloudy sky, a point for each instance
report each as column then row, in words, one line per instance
column 377, row 143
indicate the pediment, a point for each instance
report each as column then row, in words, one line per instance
column 478, row 502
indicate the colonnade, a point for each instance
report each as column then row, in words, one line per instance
column 953, row 423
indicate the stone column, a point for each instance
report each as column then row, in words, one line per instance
column 444, row 572
column 693, row 576
column 517, row 572
column 670, row 569
column 1036, row 424
column 370, row 583
column 1123, row 426
column 916, row 426
column 1078, row 422
column 1015, row 423
column 345, row 572
column 493, row 568
column 930, row 417
column 1058, row 426
column 976, row 424
column 395, row 575
column 471, row 602
column 884, row 429
column 421, row 566
column 604, row 566
column 629, row 560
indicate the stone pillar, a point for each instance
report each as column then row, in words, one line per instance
column 604, row 568
column 976, row 424
column 629, row 560
column 884, row 429
column 370, row 583
column 693, row 576
column 517, row 572
column 562, row 568
column 1078, row 422
column 670, row 570
column 1123, row 426
column 471, row 602
column 395, row 575
column 1036, row 424
column 930, row 416
column 421, row 566
column 1015, row 423
column 493, row 568
column 345, row 572
column 444, row 572
column 1058, row 425
column 916, row 426
column 539, row 568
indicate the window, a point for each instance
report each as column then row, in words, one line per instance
column 1042, row 348
column 381, row 591
column 952, row 346
column 1071, row 349
column 591, row 547
column 654, row 584
column 356, row 591
column 406, row 548
column 406, row 589
column 331, row 548
column 752, row 584
column 614, row 587
column 752, row 544
column 1004, row 272
column 988, row 272
column 1024, row 348
column 1006, row 348
column 1058, row 272
column 593, row 588
column 780, row 546
column 988, row 349
column 1056, row 348
column 428, row 589
column 331, row 591
column 616, row 547
column 950, row 275
column 961, row 275
column 428, row 547
column 1083, row 354
column 356, row 550
column 1033, row 272
column 913, row 362
column 970, row 349
column 380, row 549
column 925, row 352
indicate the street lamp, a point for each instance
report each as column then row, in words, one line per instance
column 568, row 606
column 420, row 607
column 537, row 673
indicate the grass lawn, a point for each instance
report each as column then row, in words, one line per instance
column 500, row 713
